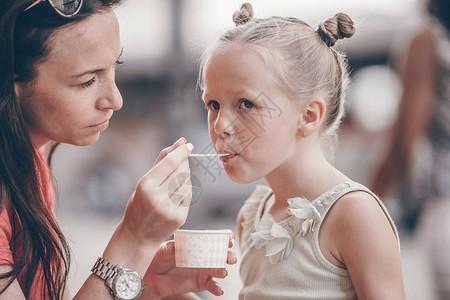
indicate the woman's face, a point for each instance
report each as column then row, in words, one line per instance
column 249, row 115
column 74, row 94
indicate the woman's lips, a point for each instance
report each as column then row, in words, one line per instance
column 101, row 126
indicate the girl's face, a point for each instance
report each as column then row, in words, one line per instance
column 74, row 94
column 250, row 117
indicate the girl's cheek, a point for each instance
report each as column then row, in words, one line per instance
column 211, row 128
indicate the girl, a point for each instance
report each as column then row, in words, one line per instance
column 57, row 84
column 274, row 89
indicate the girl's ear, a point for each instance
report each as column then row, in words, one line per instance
column 311, row 118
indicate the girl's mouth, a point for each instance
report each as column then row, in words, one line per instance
column 228, row 157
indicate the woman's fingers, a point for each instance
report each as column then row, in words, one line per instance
column 170, row 163
column 231, row 258
column 214, row 288
column 169, row 149
column 218, row 273
column 232, row 240
column 179, row 187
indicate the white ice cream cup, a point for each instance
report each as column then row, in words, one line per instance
column 201, row 248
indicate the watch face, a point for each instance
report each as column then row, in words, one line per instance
column 128, row 285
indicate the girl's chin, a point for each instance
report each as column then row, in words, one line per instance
column 241, row 177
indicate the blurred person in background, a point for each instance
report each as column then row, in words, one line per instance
column 57, row 84
column 424, row 116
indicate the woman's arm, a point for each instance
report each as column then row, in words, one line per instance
column 13, row 292
column 151, row 216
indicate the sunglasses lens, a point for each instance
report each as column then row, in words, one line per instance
column 66, row 7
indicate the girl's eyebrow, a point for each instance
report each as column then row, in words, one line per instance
column 93, row 71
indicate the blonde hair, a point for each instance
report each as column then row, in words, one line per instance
column 298, row 56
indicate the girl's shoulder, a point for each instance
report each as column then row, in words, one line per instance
column 357, row 217
column 248, row 213
column 254, row 201
column 359, row 233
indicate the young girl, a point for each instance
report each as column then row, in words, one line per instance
column 274, row 89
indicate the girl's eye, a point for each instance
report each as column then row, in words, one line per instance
column 245, row 104
column 214, row 105
column 88, row 83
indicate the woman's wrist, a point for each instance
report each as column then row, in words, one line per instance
column 123, row 249
column 189, row 296
column 150, row 292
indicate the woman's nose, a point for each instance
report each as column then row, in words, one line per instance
column 111, row 98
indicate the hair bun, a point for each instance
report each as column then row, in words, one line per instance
column 243, row 15
column 338, row 27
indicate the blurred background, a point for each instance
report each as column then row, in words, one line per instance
column 162, row 41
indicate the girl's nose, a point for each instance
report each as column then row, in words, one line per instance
column 223, row 126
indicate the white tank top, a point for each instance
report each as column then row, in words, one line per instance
column 283, row 260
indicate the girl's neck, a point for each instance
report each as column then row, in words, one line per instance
column 308, row 175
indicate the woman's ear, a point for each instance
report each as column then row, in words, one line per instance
column 17, row 90
column 311, row 118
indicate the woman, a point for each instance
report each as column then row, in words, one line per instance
column 57, row 85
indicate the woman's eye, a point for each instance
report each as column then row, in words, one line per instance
column 118, row 63
column 245, row 104
column 88, row 83
column 214, row 105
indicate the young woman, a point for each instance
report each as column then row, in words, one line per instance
column 58, row 62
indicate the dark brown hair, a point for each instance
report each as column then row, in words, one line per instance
column 40, row 242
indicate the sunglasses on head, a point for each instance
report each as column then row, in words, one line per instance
column 66, row 8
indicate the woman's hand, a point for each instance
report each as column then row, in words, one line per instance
column 164, row 279
column 160, row 203
column 157, row 208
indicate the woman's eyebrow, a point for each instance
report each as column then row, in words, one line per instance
column 93, row 71
column 86, row 72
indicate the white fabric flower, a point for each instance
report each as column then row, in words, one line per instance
column 274, row 237
column 304, row 210
column 278, row 240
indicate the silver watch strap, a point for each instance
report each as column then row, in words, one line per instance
column 104, row 269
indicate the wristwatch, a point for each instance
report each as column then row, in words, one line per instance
column 125, row 284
